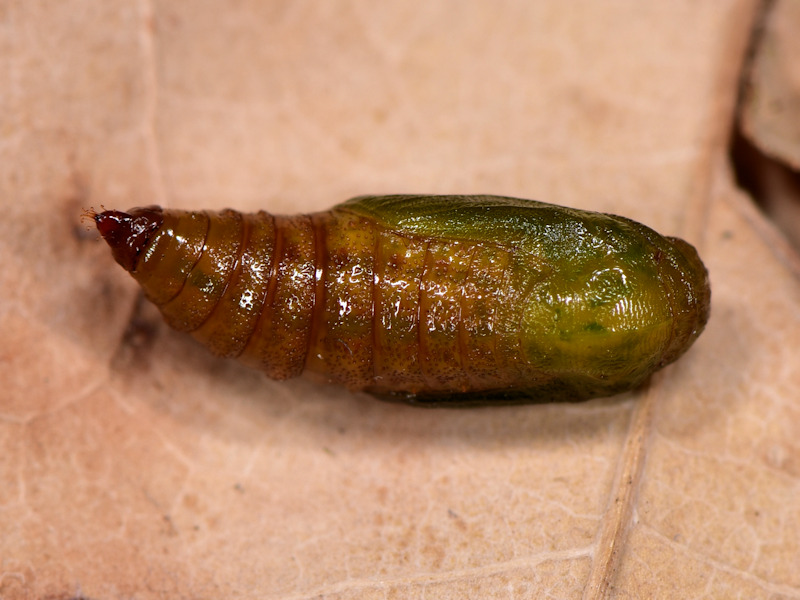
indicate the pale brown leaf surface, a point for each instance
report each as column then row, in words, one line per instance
column 137, row 466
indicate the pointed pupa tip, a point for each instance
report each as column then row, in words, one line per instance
column 127, row 233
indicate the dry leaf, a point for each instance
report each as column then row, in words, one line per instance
column 136, row 466
column 771, row 109
column 770, row 118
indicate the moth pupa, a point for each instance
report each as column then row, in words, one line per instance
column 433, row 300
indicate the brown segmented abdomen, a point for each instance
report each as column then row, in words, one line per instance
column 331, row 293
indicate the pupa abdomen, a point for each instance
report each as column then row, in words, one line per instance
column 426, row 299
